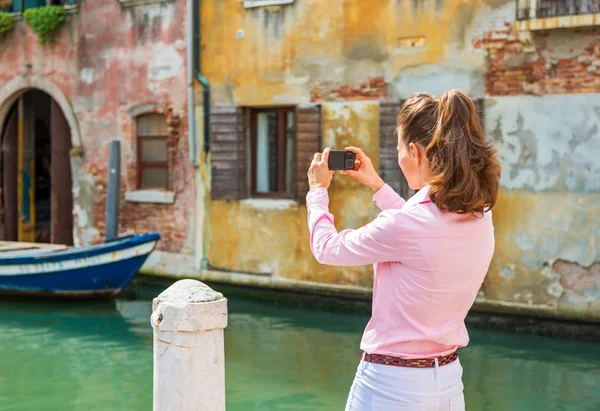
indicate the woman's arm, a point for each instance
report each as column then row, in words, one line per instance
column 378, row 241
column 387, row 199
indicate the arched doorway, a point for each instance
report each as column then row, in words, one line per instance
column 37, row 200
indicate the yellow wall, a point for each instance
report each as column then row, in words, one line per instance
column 284, row 54
column 348, row 55
column 287, row 51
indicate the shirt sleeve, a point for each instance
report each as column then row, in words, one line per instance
column 376, row 242
column 387, row 199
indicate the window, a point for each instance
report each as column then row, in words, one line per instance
column 262, row 152
column 272, row 148
column 153, row 157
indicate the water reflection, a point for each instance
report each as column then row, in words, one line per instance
column 71, row 356
column 98, row 356
column 137, row 315
column 106, row 320
column 510, row 371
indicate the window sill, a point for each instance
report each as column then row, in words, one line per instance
column 270, row 203
column 249, row 4
column 150, row 196
column 134, row 3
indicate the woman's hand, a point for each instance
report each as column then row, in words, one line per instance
column 319, row 175
column 365, row 173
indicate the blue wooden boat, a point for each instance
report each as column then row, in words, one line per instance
column 99, row 271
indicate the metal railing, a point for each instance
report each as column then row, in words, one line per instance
column 536, row 9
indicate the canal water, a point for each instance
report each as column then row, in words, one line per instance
column 93, row 356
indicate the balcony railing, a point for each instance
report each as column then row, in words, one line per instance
column 539, row 9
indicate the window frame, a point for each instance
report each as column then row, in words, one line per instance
column 140, row 164
column 282, row 112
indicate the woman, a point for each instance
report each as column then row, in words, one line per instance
column 430, row 253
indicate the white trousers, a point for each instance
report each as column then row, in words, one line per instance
column 380, row 387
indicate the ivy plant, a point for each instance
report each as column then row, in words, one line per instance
column 7, row 22
column 44, row 20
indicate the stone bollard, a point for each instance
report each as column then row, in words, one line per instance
column 188, row 319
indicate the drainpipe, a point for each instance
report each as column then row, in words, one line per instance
column 193, row 33
column 198, row 76
column 190, row 82
column 201, row 78
column 206, row 115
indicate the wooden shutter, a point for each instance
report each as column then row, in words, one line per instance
column 228, row 153
column 308, row 142
column 388, row 149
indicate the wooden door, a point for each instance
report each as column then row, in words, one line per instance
column 26, row 174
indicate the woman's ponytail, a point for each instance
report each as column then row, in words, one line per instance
column 465, row 171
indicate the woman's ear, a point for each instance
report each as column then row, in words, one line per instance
column 414, row 151
column 417, row 152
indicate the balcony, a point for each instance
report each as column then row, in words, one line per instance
column 553, row 14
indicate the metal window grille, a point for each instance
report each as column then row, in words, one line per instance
column 555, row 8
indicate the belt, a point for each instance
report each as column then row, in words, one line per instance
column 412, row 363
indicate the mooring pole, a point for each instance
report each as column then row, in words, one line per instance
column 112, row 197
column 188, row 319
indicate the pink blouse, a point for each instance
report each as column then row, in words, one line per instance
column 429, row 266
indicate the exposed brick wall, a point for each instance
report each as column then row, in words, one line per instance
column 373, row 89
column 172, row 221
column 544, row 70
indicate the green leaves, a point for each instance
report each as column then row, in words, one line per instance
column 44, row 20
column 7, row 23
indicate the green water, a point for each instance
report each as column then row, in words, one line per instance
column 98, row 356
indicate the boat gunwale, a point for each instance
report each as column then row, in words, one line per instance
column 82, row 252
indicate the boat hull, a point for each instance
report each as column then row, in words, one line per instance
column 99, row 271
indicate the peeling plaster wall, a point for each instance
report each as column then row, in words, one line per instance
column 345, row 51
column 535, row 229
column 108, row 59
column 315, row 50
column 547, row 143
column 547, row 225
column 543, row 112
column 542, row 108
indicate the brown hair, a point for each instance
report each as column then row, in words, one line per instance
column 465, row 171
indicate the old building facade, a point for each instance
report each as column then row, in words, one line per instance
column 290, row 77
column 113, row 70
